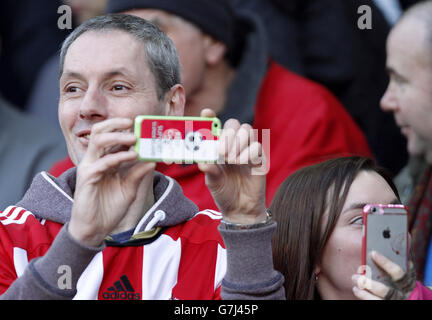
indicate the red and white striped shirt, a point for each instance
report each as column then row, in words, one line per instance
column 187, row 261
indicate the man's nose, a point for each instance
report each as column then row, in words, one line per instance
column 93, row 106
column 388, row 101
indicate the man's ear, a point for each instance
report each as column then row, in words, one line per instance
column 175, row 100
column 215, row 50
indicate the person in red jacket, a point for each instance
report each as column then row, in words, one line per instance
column 225, row 66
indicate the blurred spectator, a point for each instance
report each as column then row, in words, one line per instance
column 27, row 146
column 409, row 98
column 29, row 36
column 407, row 179
column 320, row 40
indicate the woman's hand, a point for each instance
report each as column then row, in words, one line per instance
column 402, row 283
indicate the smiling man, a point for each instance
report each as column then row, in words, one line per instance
column 226, row 66
column 113, row 228
column 409, row 97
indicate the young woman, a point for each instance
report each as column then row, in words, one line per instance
column 317, row 245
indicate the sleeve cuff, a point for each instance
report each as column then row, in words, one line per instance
column 65, row 253
column 250, row 261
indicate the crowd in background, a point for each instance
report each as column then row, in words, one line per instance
column 305, row 62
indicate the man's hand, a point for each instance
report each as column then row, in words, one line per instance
column 107, row 181
column 237, row 191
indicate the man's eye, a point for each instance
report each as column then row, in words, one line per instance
column 397, row 79
column 72, row 89
column 119, row 87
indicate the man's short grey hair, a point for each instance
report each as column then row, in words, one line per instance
column 160, row 53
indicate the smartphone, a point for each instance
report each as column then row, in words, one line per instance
column 177, row 139
column 385, row 230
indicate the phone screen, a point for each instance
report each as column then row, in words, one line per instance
column 177, row 139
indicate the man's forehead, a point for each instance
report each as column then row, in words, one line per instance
column 109, row 72
column 104, row 51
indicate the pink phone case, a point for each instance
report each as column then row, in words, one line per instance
column 385, row 229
